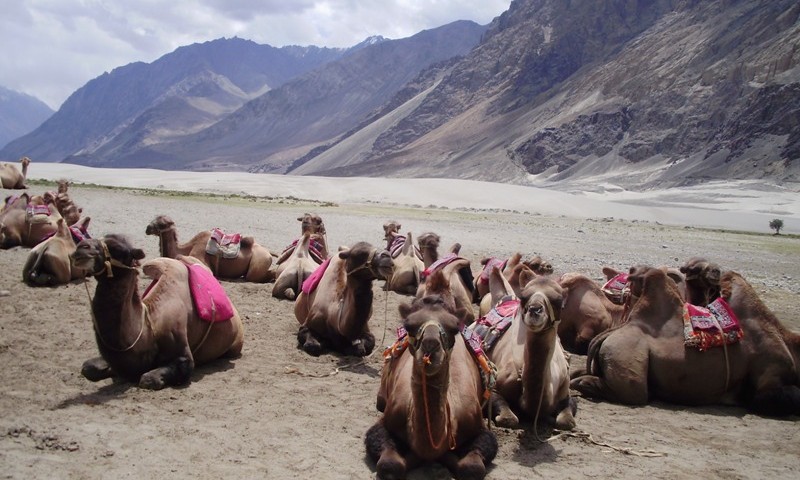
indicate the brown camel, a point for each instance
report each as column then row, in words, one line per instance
column 335, row 312
column 532, row 370
column 13, row 179
column 586, row 312
column 432, row 401
column 458, row 273
column 252, row 262
column 407, row 268
column 63, row 202
column 291, row 273
column 318, row 248
column 647, row 358
column 27, row 221
column 155, row 340
column 49, row 263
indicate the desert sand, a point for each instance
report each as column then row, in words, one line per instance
column 279, row 413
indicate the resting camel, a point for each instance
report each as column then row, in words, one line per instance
column 335, row 304
column 532, row 370
column 155, row 340
column 252, row 262
column 459, row 276
column 13, row 179
column 49, row 262
column 291, row 273
column 407, row 269
column 647, row 358
column 318, row 248
column 433, row 392
column 63, row 202
column 27, row 221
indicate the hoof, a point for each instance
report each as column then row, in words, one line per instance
column 471, row 467
column 390, row 469
column 313, row 348
column 151, row 382
column 507, row 420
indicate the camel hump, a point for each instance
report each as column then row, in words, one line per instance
column 248, row 241
column 409, row 245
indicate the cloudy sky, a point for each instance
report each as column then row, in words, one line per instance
column 50, row 48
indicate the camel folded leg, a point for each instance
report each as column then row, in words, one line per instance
column 360, row 347
column 777, row 402
column 382, row 449
column 308, row 342
column 565, row 418
column 470, row 462
column 177, row 372
column 96, row 369
column 505, row 417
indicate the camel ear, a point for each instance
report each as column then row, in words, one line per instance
column 137, row 253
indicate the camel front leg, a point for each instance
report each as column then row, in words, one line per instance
column 362, row 346
column 504, row 417
column 177, row 372
column 96, row 369
column 479, row 453
column 308, row 342
column 382, row 449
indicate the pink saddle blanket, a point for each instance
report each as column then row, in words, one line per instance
column 487, row 269
column 310, row 283
column 485, row 331
column 441, row 263
column 712, row 326
column 210, row 299
column 616, row 288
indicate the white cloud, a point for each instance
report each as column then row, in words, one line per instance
column 50, row 48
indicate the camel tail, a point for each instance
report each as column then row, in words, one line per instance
column 594, row 350
column 33, row 265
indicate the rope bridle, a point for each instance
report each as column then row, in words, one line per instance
column 448, row 430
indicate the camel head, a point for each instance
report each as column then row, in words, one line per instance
column 432, row 332
column 364, row 259
column 159, row 225
column 426, row 240
column 99, row 255
column 63, row 186
column 701, row 279
column 391, row 229
column 311, row 223
column 541, row 300
column 25, row 161
column 539, row 265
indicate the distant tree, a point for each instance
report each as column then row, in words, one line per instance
column 776, row 225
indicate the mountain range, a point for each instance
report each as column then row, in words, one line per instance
column 20, row 114
column 641, row 93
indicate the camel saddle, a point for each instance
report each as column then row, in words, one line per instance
column 439, row 264
column 314, row 249
column 485, row 331
column 487, row 269
column 38, row 213
column 223, row 245
column 712, row 326
column 616, row 288
column 397, row 246
column 310, row 284
column 210, row 299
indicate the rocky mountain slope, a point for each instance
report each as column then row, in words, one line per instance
column 180, row 93
column 20, row 114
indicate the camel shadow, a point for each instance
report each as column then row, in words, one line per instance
column 115, row 389
column 219, row 365
column 358, row 365
column 532, row 449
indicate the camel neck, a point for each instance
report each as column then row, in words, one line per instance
column 117, row 307
column 539, row 348
column 356, row 306
column 429, row 256
column 168, row 241
column 430, row 420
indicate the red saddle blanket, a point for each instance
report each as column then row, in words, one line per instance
column 713, row 326
column 487, row 269
column 210, row 299
column 485, row 331
column 311, row 283
column 441, row 263
column 616, row 288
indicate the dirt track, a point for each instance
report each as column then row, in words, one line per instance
column 278, row 413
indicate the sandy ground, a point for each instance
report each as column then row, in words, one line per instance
column 278, row 413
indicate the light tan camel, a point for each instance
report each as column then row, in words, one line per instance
column 647, row 357
column 433, row 392
column 407, row 269
column 27, row 221
column 252, row 262
column 318, row 248
column 155, row 340
column 49, row 263
column 13, row 179
column 335, row 313
column 291, row 273
column 532, row 370
column 458, row 273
